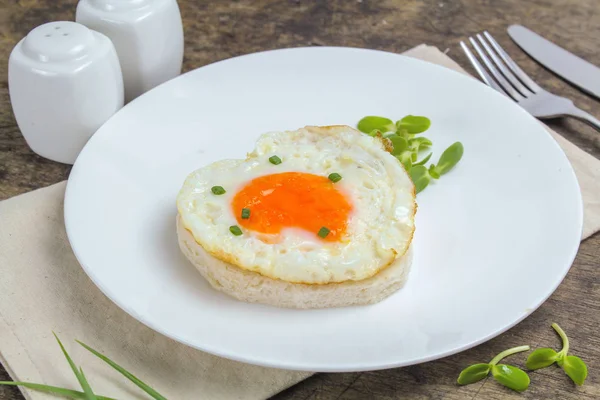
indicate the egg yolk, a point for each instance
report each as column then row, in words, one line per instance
column 293, row 200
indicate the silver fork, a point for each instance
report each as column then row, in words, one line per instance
column 507, row 78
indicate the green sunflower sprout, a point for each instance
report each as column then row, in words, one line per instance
column 420, row 177
column 370, row 123
column 541, row 358
column 423, row 161
column 406, row 159
column 510, row 376
column 573, row 366
column 406, row 146
column 400, row 145
column 419, row 143
column 449, row 158
column 433, row 172
column 414, row 124
column 404, row 133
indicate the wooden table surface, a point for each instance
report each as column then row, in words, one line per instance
column 221, row 29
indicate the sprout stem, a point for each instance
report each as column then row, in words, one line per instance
column 507, row 353
column 563, row 336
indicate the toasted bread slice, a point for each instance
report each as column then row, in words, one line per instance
column 253, row 287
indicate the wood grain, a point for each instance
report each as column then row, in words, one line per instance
column 221, row 29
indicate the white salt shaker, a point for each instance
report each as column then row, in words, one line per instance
column 64, row 82
column 148, row 36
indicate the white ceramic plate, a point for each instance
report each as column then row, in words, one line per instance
column 494, row 237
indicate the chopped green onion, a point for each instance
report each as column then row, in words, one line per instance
column 245, row 213
column 235, row 230
column 323, row 232
column 335, row 177
column 218, row 190
column 275, row 160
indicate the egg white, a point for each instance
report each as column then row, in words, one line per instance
column 379, row 230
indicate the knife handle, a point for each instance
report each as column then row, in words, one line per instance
column 584, row 116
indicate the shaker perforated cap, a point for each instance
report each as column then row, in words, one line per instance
column 58, row 41
column 61, row 47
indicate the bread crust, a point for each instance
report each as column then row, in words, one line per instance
column 252, row 287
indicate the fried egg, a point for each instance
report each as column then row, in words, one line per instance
column 281, row 213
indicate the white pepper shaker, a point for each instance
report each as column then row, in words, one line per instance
column 147, row 34
column 64, row 82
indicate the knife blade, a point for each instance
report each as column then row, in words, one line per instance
column 576, row 70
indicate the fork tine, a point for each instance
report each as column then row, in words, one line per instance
column 479, row 68
column 502, row 67
column 495, row 73
column 523, row 77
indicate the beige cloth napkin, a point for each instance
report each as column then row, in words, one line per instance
column 43, row 289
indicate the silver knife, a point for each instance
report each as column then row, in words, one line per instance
column 566, row 65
